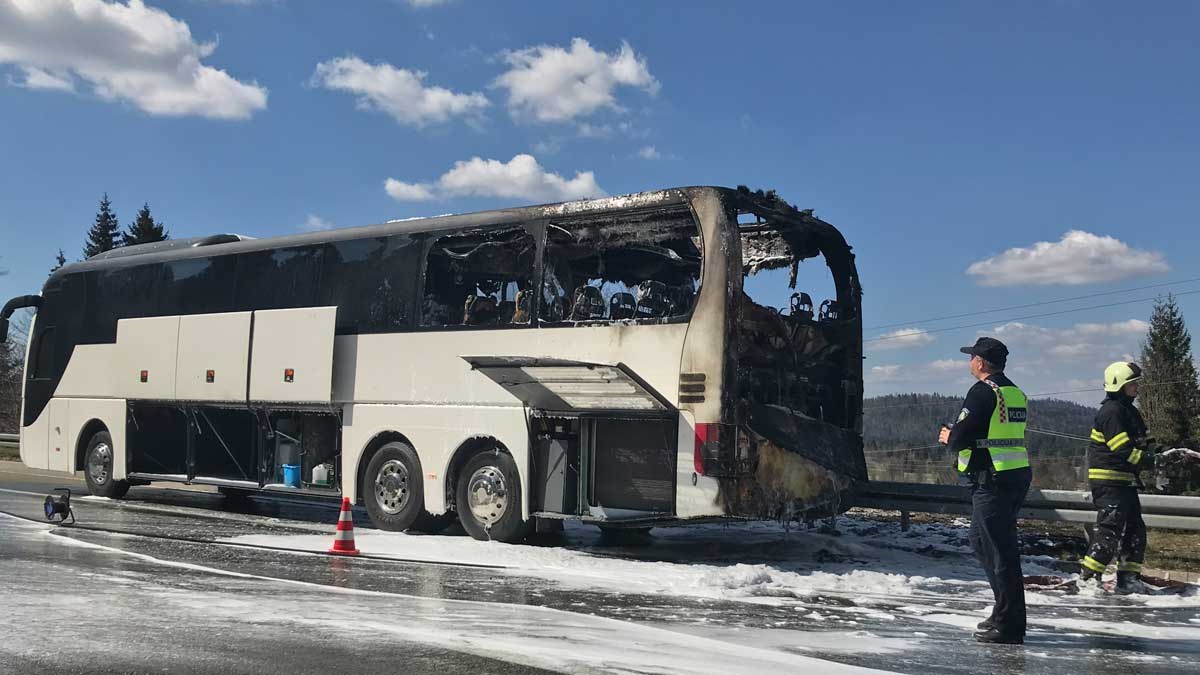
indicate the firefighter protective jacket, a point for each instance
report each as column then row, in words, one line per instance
column 1119, row 447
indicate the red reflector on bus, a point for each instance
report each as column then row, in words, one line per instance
column 708, row 436
column 289, row 375
column 210, row 376
column 145, row 376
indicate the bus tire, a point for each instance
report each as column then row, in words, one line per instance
column 98, row 468
column 392, row 489
column 488, row 498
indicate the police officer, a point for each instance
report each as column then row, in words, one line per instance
column 989, row 436
column 1119, row 449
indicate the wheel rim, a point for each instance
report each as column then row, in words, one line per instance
column 392, row 487
column 98, row 463
column 487, row 495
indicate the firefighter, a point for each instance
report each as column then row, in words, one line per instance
column 1119, row 449
column 989, row 436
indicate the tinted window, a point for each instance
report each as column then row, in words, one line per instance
column 198, row 286
column 479, row 278
column 372, row 282
column 121, row 293
column 43, row 355
column 281, row 279
column 626, row 267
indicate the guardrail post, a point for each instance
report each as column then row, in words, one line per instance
column 904, row 521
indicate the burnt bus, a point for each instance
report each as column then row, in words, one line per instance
column 626, row 361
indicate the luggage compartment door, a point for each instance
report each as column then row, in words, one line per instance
column 291, row 358
column 214, row 355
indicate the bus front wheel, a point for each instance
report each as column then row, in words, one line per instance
column 98, row 468
column 488, row 498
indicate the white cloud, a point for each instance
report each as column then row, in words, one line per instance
column 948, row 365
column 1078, row 258
column 522, row 177
column 649, row 152
column 553, row 84
column 904, row 338
column 396, row 91
column 315, row 223
column 407, row 192
column 36, row 78
column 883, row 373
column 125, row 52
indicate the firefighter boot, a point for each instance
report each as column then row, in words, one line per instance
column 1129, row 583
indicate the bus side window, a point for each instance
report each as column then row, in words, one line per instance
column 43, row 355
column 478, row 278
column 633, row 267
column 372, row 283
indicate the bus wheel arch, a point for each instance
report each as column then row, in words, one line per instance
column 487, row 491
column 391, row 486
column 98, row 462
column 86, row 432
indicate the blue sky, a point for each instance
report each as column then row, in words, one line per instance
column 937, row 136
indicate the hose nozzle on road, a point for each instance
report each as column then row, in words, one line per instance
column 343, row 540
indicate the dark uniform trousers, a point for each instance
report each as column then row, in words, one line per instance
column 996, row 499
column 1119, row 525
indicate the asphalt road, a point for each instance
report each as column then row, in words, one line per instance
column 142, row 586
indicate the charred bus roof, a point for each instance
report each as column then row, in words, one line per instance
column 820, row 234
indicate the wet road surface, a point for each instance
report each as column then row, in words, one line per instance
column 128, row 595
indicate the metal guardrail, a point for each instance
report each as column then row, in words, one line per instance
column 9, row 440
column 1166, row 511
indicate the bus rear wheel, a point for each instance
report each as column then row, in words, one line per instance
column 98, row 468
column 488, row 498
column 392, row 489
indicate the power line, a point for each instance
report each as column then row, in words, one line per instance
column 907, row 334
column 1032, row 304
column 952, row 401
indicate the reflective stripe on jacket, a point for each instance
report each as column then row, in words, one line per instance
column 1116, row 451
column 1005, row 442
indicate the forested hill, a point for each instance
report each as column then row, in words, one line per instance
column 912, row 421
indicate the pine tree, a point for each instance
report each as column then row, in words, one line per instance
column 105, row 231
column 144, row 230
column 1171, row 400
column 59, row 261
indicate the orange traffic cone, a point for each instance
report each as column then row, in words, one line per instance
column 343, row 541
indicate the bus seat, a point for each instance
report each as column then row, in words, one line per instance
column 587, row 304
column 508, row 310
column 479, row 310
column 622, row 306
column 652, row 300
column 521, row 313
column 802, row 306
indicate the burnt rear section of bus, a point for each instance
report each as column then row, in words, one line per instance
column 797, row 347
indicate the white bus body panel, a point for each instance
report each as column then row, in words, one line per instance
column 216, row 342
column 34, row 440
column 52, row 440
column 300, row 340
column 435, row 432
column 444, row 403
column 696, row 496
column 90, row 372
column 59, row 448
column 150, row 346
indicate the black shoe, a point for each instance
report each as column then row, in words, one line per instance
column 987, row 624
column 994, row 636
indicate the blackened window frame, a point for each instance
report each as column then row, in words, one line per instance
column 535, row 229
column 685, row 317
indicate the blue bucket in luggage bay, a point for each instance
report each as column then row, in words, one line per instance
column 291, row 475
